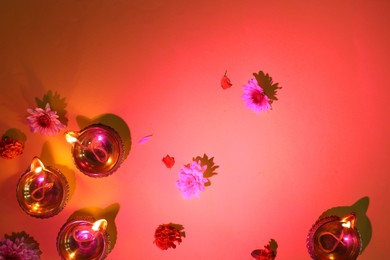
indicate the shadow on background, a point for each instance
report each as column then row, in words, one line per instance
column 264, row 253
column 180, row 228
column 47, row 159
column 113, row 121
column 363, row 224
column 211, row 167
column 10, row 209
column 56, row 103
column 15, row 134
column 269, row 87
column 95, row 213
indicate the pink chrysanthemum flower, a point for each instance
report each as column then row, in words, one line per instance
column 254, row 97
column 191, row 181
column 19, row 246
column 45, row 121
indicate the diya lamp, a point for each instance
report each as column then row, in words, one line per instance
column 97, row 150
column 333, row 237
column 42, row 191
column 83, row 239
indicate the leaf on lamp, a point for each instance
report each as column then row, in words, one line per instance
column 145, row 139
column 266, row 83
column 225, row 82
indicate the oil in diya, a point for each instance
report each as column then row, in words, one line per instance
column 97, row 150
column 83, row 238
column 42, row 191
column 333, row 237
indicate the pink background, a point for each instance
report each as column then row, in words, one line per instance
column 158, row 65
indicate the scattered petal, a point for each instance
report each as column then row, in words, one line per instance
column 45, row 121
column 225, row 82
column 145, row 139
column 168, row 161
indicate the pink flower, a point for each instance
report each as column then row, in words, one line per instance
column 254, row 97
column 44, row 121
column 191, row 181
column 19, row 246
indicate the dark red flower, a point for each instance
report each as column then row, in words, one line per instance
column 168, row 161
column 166, row 235
column 264, row 254
column 225, row 82
column 9, row 148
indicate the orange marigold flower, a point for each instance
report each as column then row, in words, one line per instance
column 9, row 148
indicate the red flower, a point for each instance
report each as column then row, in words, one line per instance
column 225, row 82
column 264, row 254
column 166, row 235
column 9, row 148
column 168, row 161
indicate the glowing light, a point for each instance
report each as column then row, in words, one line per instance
column 72, row 255
column 88, row 233
column 35, row 206
column 347, row 224
column 101, row 224
column 37, row 165
column 349, row 221
column 71, row 137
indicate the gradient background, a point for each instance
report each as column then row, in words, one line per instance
column 158, row 65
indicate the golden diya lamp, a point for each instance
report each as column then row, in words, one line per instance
column 83, row 238
column 42, row 191
column 334, row 238
column 97, row 150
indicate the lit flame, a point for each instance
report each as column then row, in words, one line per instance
column 37, row 165
column 72, row 255
column 349, row 221
column 101, row 224
column 71, row 137
column 35, row 206
column 347, row 224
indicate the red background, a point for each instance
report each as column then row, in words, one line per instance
column 158, row 65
